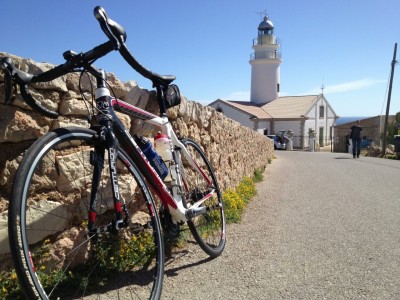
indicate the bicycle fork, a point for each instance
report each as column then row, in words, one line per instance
column 97, row 159
column 107, row 141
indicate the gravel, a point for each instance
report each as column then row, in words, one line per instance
column 322, row 226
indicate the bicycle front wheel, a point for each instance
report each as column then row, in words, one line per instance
column 208, row 229
column 54, row 254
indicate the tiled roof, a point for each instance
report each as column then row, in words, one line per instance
column 290, row 107
column 250, row 108
column 281, row 108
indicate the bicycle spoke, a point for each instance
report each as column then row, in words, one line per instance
column 203, row 199
column 65, row 260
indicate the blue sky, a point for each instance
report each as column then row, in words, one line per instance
column 347, row 46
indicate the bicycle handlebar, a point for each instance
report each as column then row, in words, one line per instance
column 117, row 36
column 23, row 79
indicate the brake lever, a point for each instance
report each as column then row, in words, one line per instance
column 7, row 86
column 104, row 21
column 7, row 80
column 12, row 74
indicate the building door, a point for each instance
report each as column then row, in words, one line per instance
column 321, row 136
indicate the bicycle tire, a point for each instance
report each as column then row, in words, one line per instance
column 209, row 229
column 54, row 256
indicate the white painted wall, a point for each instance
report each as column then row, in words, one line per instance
column 287, row 125
column 301, row 134
column 234, row 114
column 316, row 122
column 310, row 123
column 264, row 80
column 330, row 113
column 264, row 124
column 312, row 112
column 294, row 126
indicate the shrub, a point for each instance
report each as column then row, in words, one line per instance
column 134, row 252
column 234, row 206
column 9, row 286
column 235, row 200
column 246, row 189
column 258, row 175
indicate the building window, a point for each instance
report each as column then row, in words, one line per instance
column 277, row 87
column 321, row 136
column 220, row 110
column 321, row 112
column 265, row 131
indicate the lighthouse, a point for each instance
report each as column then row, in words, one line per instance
column 265, row 62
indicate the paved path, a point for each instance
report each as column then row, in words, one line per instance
column 323, row 226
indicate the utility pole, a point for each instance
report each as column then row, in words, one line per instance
column 388, row 102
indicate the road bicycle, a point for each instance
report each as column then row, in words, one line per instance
column 90, row 207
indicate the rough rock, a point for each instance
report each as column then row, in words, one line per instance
column 233, row 150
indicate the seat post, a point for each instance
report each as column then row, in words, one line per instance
column 160, row 100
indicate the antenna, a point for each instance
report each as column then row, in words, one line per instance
column 262, row 14
column 322, row 88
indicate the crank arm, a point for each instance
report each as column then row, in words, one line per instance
column 194, row 212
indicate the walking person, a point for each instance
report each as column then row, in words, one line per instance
column 356, row 137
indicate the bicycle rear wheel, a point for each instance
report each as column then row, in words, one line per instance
column 54, row 255
column 209, row 229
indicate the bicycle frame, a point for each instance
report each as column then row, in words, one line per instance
column 112, row 125
column 61, row 170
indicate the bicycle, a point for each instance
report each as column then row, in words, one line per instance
column 83, row 221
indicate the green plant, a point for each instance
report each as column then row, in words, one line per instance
column 113, row 256
column 234, row 206
column 258, row 174
column 393, row 156
column 123, row 255
column 120, row 256
column 246, row 189
column 9, row 286
column 235, row 200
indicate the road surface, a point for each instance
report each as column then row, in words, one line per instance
column 322, row 226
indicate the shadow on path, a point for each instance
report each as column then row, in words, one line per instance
column 180, row 258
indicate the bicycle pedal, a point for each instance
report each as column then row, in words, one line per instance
column 194, row 212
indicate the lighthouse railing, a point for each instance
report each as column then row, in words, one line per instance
column 266, row 40
column 275, row 54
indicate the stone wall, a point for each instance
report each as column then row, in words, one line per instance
column 372, row 128
column 234, row 151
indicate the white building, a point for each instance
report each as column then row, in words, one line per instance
column 267, row 112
